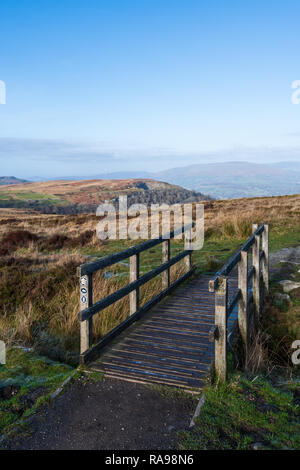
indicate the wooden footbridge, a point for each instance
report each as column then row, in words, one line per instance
column 185, row 331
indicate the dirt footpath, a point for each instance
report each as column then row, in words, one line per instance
column 109, row 415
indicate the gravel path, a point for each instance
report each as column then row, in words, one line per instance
column 109, row 415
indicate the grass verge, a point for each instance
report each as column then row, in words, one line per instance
column 247, row 413
column 26, row 383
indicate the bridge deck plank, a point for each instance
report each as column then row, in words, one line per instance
column 170, row 345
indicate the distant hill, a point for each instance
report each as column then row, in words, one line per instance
column 11, row 180
column 67, row 197
column 229, row 179
column 237, row 179
column 117, row 175
column 225, row 180
column 288, row 165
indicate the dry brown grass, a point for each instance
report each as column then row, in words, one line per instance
column 84, row 191
column 223, row 218
column 233, row 218
column 258, row 357
column 38, row 281
column 44, row 305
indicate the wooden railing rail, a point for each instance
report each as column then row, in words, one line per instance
column 89, row 309
column 233, row 261
column 132, row 287
column 249, row 292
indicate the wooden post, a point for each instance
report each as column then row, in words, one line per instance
column 188, row 262
column 221, row 298
column 86, row 301
column 188, row 258
column 256, row 273
column 134, row 275
column 165, row 258
column 243, row 300
column 265, row 260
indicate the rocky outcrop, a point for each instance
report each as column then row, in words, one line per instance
column 288, row 285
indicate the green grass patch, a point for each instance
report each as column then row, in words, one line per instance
column 172, row 393
column 23, row 196
column 26, row 382
column 243, row 412
column 284, row 237
column 218, row 249
column 93, row 376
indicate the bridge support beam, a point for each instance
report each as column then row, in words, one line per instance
column 247, row 302
column 243, row 300
column 134, row 275
column 221, row 301
column 86, row 301
column 188, row 259
column 256, row 274
column 165, row 259
column 265, row 260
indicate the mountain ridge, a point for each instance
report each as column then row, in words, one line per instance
column 5, row 180
column 84, row 196
column 223, row 180
column 234, row 179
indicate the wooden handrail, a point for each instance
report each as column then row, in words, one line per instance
column 248, row 280
column 250, row 274
column 92, row 352
column 107, row 261
column 233, row 301
column 119, row 294
column 89, row 309
column 221, row 305
column 233, row 261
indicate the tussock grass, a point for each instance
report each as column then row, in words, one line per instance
column 258, row 358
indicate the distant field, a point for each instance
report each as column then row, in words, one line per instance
column 23, row 196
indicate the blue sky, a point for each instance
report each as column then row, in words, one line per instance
column 101, row 86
